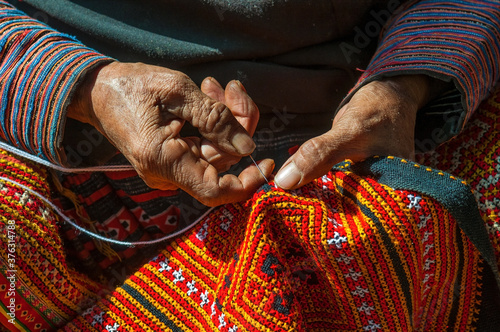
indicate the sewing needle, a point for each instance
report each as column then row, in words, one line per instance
column 259, row 169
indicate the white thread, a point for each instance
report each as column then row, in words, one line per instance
column 21, row 153
column 97, row 236
column 262, row 173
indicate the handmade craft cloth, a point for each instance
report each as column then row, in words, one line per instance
column 41, row 67
column 385, row 245
column 381, row 245
column 38, row 290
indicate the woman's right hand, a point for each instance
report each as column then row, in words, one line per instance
column 141, row 109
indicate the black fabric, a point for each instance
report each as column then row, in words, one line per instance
column 181, row 32
column 288, row 61
column 294, row 57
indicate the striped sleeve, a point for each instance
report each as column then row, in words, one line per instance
column 451, row 40
column 39, row 69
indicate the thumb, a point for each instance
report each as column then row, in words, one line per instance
column 313, row 159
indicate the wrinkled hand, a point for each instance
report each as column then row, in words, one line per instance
column 141, row 110
column 379, row 119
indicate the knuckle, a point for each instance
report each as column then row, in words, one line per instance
column 314, row 147
column 211, row 116
column 317, row 152
column 182, row 84
column 177, row 91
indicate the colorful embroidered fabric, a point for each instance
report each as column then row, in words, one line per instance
column 38, row 289
column 344, row 253
column 347, row 252
column 356, row 250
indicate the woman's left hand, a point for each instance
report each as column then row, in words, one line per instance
column 378, row 120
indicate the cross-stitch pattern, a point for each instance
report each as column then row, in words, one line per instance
column 385, row 244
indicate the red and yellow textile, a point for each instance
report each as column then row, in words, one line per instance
column 344, row 253
column 118, row 205
column 385, row 245
column 475, row 156
column 38, row 290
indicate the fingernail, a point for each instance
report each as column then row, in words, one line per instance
column 213, row 80
column 272, row 164
column 243, row 143
column 241, row 86
column 288, row 177
column 234, row 86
